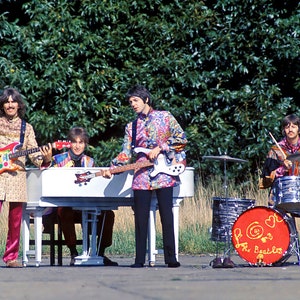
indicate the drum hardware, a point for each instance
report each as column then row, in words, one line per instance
column 225, row 158
column 227, row 227
column 264, row 236
column 294, row 157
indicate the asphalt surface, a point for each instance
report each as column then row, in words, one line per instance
column 195, row 279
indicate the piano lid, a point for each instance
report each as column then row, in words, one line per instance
column 60, row 182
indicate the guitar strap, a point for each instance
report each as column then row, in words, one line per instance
column 22, row 133
column 134, row 123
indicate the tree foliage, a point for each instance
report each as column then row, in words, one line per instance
column 228, row 70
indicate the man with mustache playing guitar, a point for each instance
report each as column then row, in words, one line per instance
column 160, row 133
column 14, row 132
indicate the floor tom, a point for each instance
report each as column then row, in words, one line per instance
column 225, row 212
column 286, row 191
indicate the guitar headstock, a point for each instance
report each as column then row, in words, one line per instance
column 61, row 144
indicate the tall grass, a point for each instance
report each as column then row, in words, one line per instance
column 195, row 219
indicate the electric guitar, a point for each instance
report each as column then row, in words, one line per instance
column 159, row 166
column 10, row 153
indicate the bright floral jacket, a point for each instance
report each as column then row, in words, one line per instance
column 158, row 128
column 65, row 160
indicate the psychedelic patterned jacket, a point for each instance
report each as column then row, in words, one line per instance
column 65, row 160
column 13, row 183
column 158, row 128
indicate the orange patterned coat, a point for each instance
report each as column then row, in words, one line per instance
column 13, row 183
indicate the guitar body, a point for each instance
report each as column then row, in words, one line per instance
column 9, row 154
column 6, row 163
column 161, row 165
column 86, row 177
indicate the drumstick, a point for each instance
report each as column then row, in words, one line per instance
column 284, row 156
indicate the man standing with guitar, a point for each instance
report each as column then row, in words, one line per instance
column 159, row 133
column 15, row 131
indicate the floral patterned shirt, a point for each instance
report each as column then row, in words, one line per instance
column 13, row 183
column 158, row 128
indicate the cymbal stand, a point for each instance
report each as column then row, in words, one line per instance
column 226, row 158
column 227, row 227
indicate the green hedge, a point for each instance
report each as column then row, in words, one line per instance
column 228, row 70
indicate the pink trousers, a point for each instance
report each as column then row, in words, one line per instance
column 14, row 229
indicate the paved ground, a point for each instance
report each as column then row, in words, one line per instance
column 194, row 280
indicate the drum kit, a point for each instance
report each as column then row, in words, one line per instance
column 262, row 236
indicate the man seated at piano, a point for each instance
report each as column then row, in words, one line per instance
column 76, row 157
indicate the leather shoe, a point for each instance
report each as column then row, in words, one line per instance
column 217, row 263
column 228, row 263
column 137, row 265
column 174, row 265
column 13, row 264
column 108, row 262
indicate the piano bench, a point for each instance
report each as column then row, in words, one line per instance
column 49, row 222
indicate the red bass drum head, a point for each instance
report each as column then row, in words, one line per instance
column 261, row 236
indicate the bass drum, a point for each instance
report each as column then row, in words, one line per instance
column 264, row 236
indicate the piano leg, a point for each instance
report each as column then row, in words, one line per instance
column 25, row 235
column 176, row 205
column 85, row 251
column 152, row 233
column 38, row 225
column 94, row 221
column 37, row 252
column 89, row 257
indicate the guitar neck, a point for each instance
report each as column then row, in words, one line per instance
column 134, row 166
column 23, row 152
column 124, row 168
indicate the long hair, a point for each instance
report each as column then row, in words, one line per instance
column 16, row 96
column 78, row 132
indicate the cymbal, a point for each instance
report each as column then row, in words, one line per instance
column 225, row 158
column 294, row 157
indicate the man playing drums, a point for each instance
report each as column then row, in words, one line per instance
column 282, row 159
column 266, row 235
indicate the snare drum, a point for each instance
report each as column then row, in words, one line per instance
column 225, row 212
column 287, row 193
column 264, row 236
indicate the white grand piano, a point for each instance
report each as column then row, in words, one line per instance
column 56, row 187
